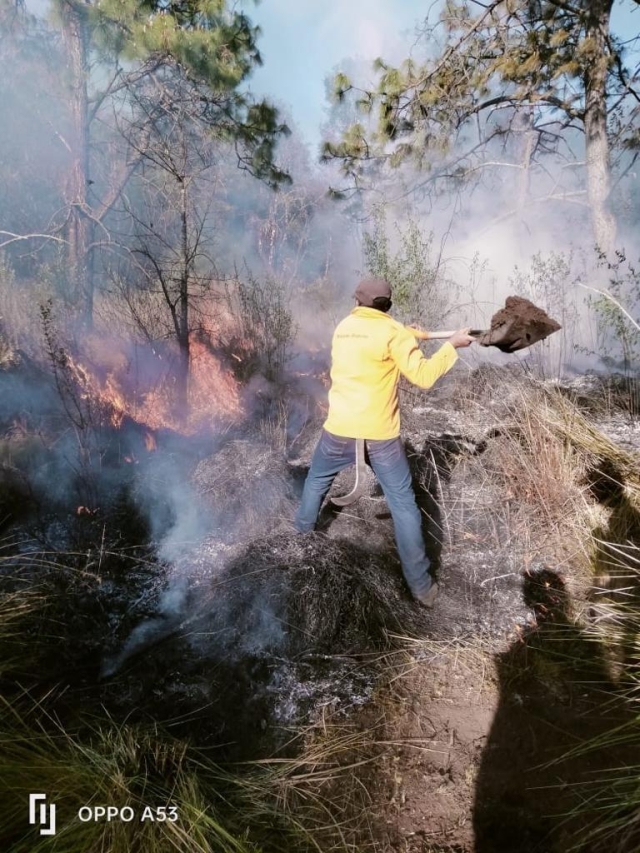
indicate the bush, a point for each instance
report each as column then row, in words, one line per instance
column 618, row 316
column 262, row 327
column 421, row 291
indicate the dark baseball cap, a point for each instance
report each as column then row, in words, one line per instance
column 372, row 288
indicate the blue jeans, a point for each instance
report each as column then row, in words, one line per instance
column 389, row 463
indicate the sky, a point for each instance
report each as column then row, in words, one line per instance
column 304, row 40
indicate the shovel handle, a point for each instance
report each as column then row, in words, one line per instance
column 439, row 336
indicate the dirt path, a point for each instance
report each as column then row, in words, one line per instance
column 482, row 762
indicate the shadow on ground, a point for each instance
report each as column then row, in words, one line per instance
column 616, row 599
column 555, row 697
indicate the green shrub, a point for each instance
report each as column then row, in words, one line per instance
column 617, row 313
column 421, row 291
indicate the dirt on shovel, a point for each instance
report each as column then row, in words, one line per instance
column 518, row 325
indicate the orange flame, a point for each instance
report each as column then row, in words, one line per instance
column 105, row 385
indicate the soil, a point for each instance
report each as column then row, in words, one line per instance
column 483, row 761
column 518, row 325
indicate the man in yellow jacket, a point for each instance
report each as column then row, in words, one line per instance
column 369, row 352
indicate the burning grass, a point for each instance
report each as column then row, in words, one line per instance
column 141, row 386
column 115, row 372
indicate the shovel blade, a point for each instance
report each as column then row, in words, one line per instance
column 513, row 328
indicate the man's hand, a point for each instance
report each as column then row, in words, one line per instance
column 462, row 338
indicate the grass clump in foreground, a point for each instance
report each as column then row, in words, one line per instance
column 247, row 810
column 108, row 765
column 610, row 804
column 89, row 759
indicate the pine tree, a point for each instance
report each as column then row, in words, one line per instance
column 207, row 42
column 551, row 65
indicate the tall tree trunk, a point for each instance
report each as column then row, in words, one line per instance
column 524, row 126
column 79, row 225
column 595, row 125
column 184, row 349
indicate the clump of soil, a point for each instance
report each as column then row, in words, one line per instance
column 518, row 325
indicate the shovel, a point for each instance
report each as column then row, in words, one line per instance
column 516, row 326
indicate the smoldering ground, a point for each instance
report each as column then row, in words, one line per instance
column 310, row 612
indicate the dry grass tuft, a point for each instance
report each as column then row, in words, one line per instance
column 536, row 467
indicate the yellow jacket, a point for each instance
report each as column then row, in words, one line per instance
column 369, row 352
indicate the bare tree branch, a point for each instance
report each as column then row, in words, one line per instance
column 14, row 238
column 611, row 298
